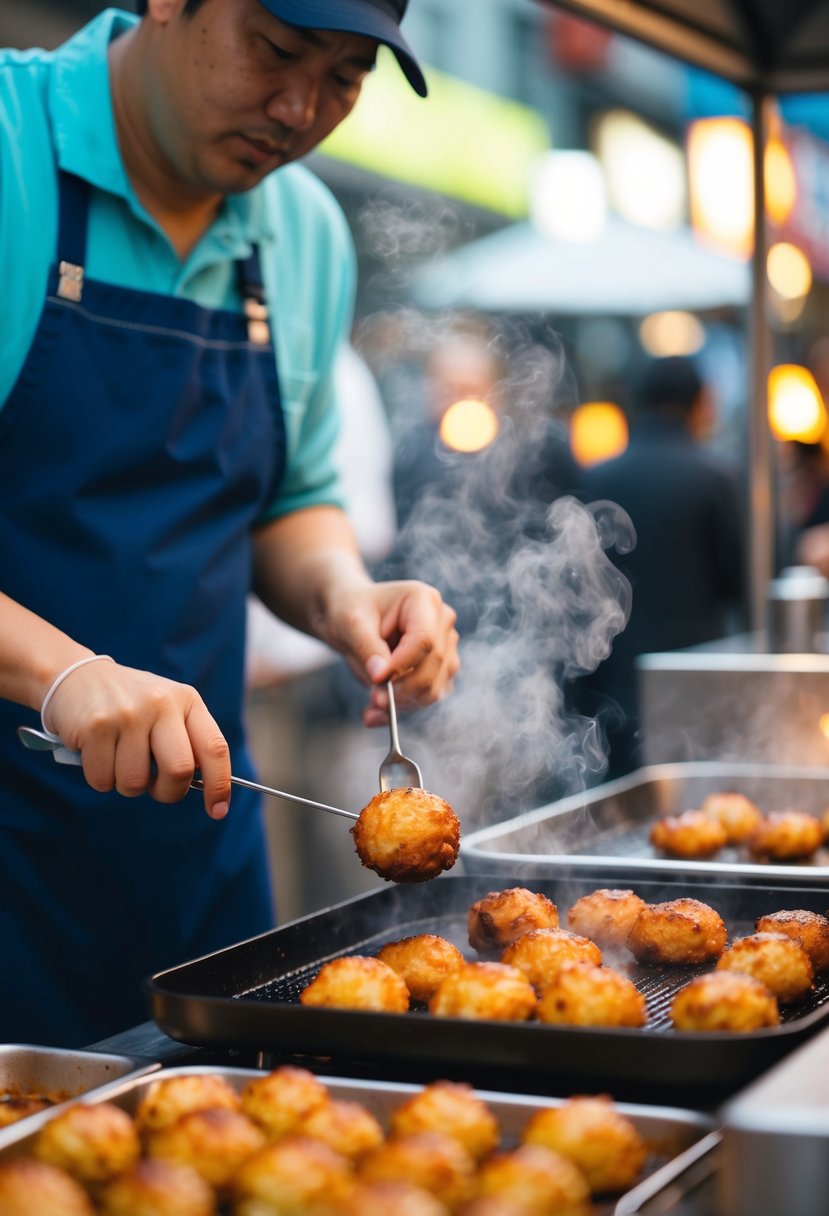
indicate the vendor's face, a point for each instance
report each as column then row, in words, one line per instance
column 237, row 93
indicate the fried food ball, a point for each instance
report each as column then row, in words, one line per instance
column 538, row 1181
column 451, row 1107
column 724, row 1000
column 774, row 959
column 583, row 994
column 589, row 1131
column 279, row 1100
column 737, row 814
column 485, row 990
column 348, row 1127
column 421, row 961
column 682, row 931
column 786, row 836
column 357, row 982
column 93, row 1143
column 541, row 954
column 213, row 1142
column 13, row 1109
column 290, row 1178
column 168, row 1098
column 158, row 1188
column 501, row 917
column 407, row 835
column 437, row 1163
column 381, row 1198
column 491, row 1205
column 29, row 1187
column 809, row 929
column 690, row 834
column 605, row 916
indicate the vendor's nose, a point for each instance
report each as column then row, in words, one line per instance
column 295, row 103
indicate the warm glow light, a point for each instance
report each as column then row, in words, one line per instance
column 789, row 271
column 671, row 333
column 598, row 431
column 568, row 198
column 823, row 723
column 781, row 183
column 720, row 184
column 796, row 409
column 469, row 425
column 631, row 152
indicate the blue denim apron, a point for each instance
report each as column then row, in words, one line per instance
column 137, row 450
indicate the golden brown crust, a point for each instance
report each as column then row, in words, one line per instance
column 452, row 1108
column 293, row 1175
column 407, row 835
column 159, row 1188
column 724, row 1000
column 589, row 1131
column 583, row 994
column 681, row 931
column 537, row 1180
column 212, row 1142
column 809, row 929
column 168, row 1098
column 501, row 917
column 279, row 1100
column 774, row 959
column 28, row 1187
column 690, row 834
column 387, row 1199
column 737, row 814
column 786, row 836
column 347, row 1127
column 485, row 990
column 541, row 954
column 357, row 982
column 605, row 916
column 421, row 961
column 92, row 1143
column 436, row 1162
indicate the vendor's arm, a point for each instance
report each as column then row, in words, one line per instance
column 123, row 721
column 309, row 572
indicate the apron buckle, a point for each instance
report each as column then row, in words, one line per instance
column 259, row 331
column 70, row 282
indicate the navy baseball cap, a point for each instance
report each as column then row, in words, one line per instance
column 378, row 19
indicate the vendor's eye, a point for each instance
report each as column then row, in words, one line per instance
column 280, row 52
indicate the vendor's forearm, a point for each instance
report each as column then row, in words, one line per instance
column 32, row 653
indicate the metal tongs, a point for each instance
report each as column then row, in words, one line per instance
column 397, row 771
column 40, row 741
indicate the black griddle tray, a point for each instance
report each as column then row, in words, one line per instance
column 247, row 996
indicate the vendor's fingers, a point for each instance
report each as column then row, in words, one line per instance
column 98, row 760
column 173, row 760
column 212, row 757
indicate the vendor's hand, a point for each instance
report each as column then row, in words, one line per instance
column 140, row 733
column 400, row 631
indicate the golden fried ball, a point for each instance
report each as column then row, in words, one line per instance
column 158, row 1188
column 421, row 961
column 683, row 931
column 737, row 814
column 583, row 994
column 213, row 1142
column 538, row 1181
column 438, row 1163
column 786, row 836
column 93, row 1143
column 724, row 1000
column 290, row 1178
column 348, row 1127
column 485, row 990
column 809, row 929
column 690, row 834
column 541, row 954
column 605, row 916
column 501, row 917
column 605, row 1145
column 407, row 835
column 168, row 1098
column 385, row 1198
column 490, row 1205
column 277, row 1101
column 774, row 959
column 451, row 1107
column 13, row 1109
column 357, row 982
column 36, row 1188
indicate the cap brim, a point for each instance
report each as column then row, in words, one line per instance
column 352, row 17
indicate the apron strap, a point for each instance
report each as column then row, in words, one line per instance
column 73, row 195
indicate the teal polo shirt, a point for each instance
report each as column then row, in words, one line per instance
column 56, row 107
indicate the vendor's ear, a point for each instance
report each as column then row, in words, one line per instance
column 163, row 11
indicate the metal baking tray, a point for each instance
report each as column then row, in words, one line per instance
column 678, row 1140
column 248, row 996
column 608, row 825
column 59, row 1074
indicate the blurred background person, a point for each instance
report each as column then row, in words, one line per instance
column 687, row 567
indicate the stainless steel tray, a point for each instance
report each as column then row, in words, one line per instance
column 60, row 1074
column 608, row 826
column 678, row 1139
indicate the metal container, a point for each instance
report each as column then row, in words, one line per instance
column 60, row 1075
column 796, row 610
column 608, row 826
column 678, row 1140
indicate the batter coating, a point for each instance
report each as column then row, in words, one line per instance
column 28, row 1186
column 212, row 1142
column 583, row 994
column 691, row 834
column 436, row 1162
column 279, row 1100
column 809, row 929
column 682, row 931
column 774, row 959
column 541, row 954
column 485, row 990
column 421, row 961
column 92, row 1143
column 501, row 917
column 168, row 1098
column 537, row 1181
column 292, row 1176
column 605, row 1145
column 348, row 1127
column 159, row 1188
column 357, row 982
column 407, row 835
column 724, row 1000
column 454, row 1109
column 605, row 916
column 737, row 814
column 786, row 836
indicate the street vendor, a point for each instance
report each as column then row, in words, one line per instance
column 174, row 300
